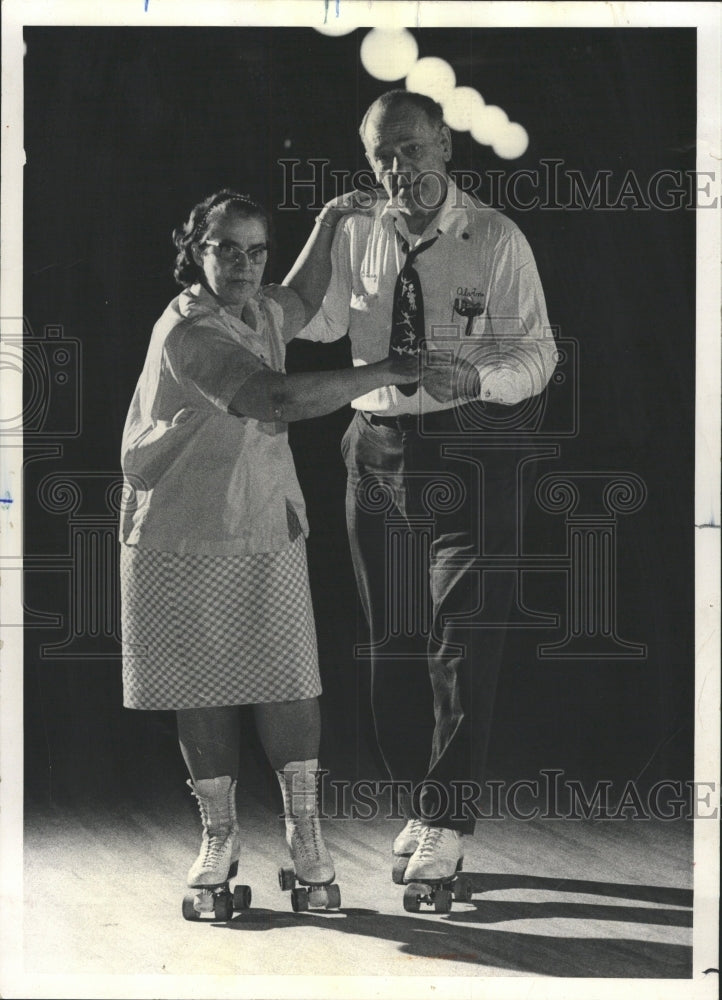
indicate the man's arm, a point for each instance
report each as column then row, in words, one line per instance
column 521, row 353
column 518, row 352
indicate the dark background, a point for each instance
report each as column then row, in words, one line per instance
column 126, row 129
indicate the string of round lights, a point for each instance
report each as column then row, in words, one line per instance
column 392, row 54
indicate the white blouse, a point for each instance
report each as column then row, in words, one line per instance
column 198, row 479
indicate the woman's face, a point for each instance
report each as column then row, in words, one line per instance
column 233, row 277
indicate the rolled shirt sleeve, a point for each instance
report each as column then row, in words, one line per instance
column 519, row 353
column 210, row 366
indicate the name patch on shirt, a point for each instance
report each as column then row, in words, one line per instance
column 472, row 294
column 469, row 303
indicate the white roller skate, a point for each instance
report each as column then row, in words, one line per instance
column 404, row 846
column 431, row 874
column 217, row 861
column 312, row 863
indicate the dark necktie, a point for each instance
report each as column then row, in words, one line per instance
column 407, row 316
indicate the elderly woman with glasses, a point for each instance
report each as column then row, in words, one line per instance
column 216, row 609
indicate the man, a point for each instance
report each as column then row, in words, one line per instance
column 422, row 510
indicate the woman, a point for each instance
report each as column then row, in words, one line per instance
column 215, row 595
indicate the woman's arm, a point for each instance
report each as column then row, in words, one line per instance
column 268, row 395
column 310, row 275
column 214, row 371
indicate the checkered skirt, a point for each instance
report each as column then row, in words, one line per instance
column 216, row 630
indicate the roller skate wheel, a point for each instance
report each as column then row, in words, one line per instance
column 412, row 897
column 299, row 900
column 241, row 897
column 286, row 878
column 189, row 907
column 334, row 897
column 399, row 869
column 318, row 897
column 442, row 901
column 462, row 891
column 205, row 900
column 223, row 906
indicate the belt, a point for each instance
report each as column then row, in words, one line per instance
column 404, row 422
column 454, row 419
column 436, row 420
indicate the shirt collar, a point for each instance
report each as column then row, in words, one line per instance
column 196, row 300
column 452, row 218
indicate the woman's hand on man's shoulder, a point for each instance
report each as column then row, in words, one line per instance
column 357, row 202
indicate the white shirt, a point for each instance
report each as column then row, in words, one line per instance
column 480, row 256
column 206, row 481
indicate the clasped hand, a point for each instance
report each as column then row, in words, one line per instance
column 444, row 377
column 447, row 378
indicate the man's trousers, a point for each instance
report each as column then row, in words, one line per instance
column 428, row 507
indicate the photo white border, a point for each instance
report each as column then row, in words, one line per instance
column 706, row 17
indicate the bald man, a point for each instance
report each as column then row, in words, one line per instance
column 431, row 270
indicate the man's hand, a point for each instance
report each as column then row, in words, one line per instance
column 448, row 379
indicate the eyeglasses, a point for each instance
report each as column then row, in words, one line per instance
column 231, row 254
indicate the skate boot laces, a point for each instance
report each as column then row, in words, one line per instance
column 217, row 856
column 438, row 855
column 213, row 848
column 309, row 853
column 214, row 812
column 307, row 840
column 220, row 843
column 416, row 829
column 408, row 839
column 431, row 839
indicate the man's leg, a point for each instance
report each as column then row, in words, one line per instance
column 391, row 588
column 470, row 607
column 465, row 661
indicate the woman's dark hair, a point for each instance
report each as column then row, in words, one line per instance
column 186, row 272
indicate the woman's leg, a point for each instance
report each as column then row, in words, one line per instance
column 210, row 741
column 289, row 730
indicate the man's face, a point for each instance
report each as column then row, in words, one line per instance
column 408, row 153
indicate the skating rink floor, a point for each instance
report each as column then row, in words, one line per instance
column 563, row 898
